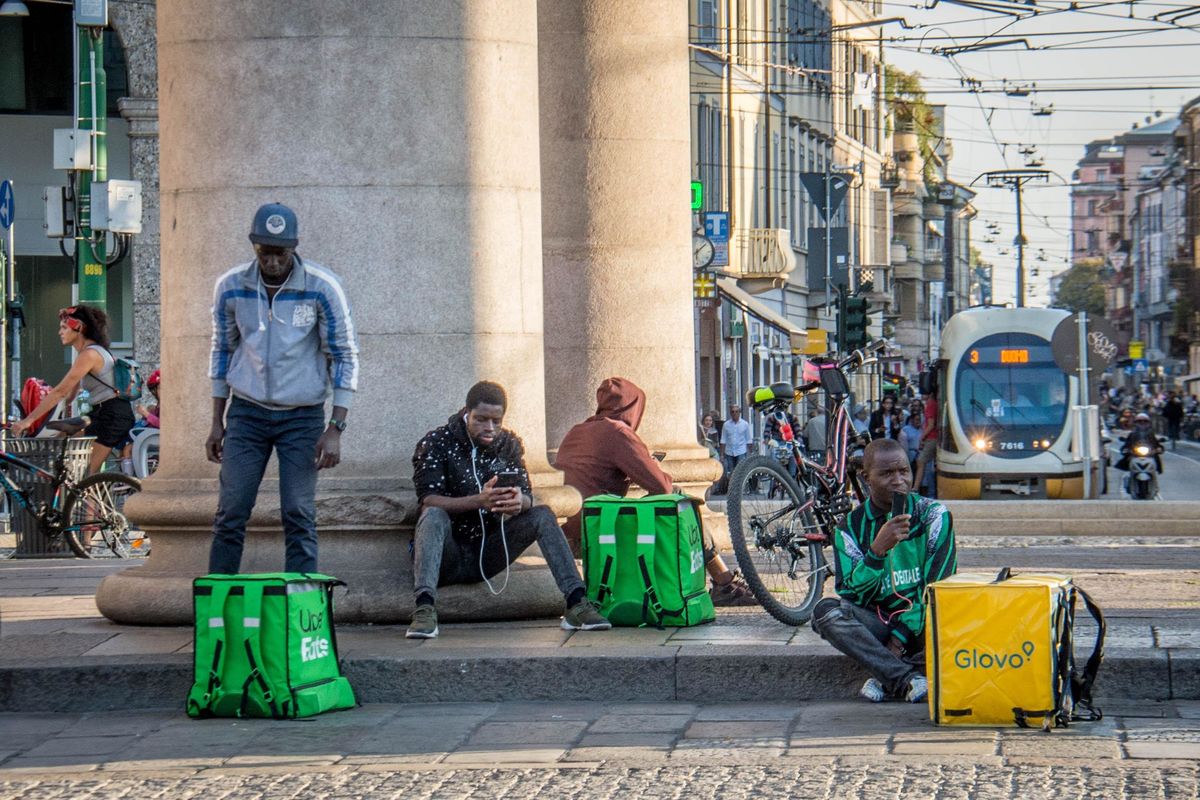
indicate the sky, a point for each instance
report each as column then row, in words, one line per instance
column 1101, row 68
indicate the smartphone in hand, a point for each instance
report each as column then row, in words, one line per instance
column 899, row 502
column 510, row 479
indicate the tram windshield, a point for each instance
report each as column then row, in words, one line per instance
column 1010, row 394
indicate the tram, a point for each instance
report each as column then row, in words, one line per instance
column 1006, row 426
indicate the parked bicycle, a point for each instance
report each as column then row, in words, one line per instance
column 87, row 513
column 780, row 526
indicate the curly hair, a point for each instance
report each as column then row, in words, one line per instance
column 95, row 323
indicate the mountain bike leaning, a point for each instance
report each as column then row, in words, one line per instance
column 87, row 513
column 780, row 526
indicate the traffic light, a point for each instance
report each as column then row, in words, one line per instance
column 854, row 323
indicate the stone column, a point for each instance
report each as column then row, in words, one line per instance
column 616, row 225
column 405, row 136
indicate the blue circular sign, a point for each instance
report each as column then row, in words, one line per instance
column 6, row 204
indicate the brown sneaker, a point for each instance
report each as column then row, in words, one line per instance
column 734, row 593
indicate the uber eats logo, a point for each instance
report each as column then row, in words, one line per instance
column 977, row 659
column 313, row 647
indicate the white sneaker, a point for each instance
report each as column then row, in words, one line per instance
column 872, row 690
column 918, row 689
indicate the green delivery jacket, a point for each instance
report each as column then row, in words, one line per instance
column 927, row 555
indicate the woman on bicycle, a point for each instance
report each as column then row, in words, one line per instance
column 85, row 328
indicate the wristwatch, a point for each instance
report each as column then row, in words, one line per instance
column 339, row 424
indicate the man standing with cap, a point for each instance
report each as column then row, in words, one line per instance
column 282, row 334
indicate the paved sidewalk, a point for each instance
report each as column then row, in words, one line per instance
column 57, row 653
column 595, row 750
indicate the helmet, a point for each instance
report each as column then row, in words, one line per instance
column 154, row 378
column 1142, row 417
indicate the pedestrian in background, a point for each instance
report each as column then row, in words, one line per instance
column 1173, row 413
column 736, row 437
column 282, row 337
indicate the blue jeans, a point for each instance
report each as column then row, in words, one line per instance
column 251, row 433
column 441, row 560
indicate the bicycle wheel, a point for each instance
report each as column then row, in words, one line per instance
column 94, row 522
column 770, row 520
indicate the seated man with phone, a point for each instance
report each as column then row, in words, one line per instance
column 885, row 554
column 478, row 515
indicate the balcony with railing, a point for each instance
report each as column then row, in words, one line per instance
column 761, row 258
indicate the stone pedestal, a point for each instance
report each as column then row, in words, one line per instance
column 616, row 227
column 404, row 135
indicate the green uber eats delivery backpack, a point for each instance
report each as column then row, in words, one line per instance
column 643, row 560
column 265, row 647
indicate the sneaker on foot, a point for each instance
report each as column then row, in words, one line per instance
column 734, row 593
column 424, row 623
column 918, row 688
column 583, row 616
column 872, row 690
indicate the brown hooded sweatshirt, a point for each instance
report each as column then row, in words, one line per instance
column 604, row 455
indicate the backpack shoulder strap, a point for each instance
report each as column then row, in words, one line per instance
column 647, row 540
column 606, row 543
column 1082, row 686
column 252, row 626
column 200, row 699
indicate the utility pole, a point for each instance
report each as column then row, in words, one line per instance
column 91, row 115
column 1016, row 179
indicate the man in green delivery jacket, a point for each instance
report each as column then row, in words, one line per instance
column 883, row 563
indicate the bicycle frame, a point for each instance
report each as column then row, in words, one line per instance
column 22, row 496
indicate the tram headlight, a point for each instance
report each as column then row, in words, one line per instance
column 981, row 443
column 1045, row 443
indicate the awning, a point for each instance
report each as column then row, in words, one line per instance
column 1186, row 379
column 797, row 338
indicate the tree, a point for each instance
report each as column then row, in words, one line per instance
column 1082, row 289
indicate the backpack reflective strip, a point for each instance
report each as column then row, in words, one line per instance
column 308, row 586
column 608, row 539
column 646, row 539
column 216, row 622
column 251, row 622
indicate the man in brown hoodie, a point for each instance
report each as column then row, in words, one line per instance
column 604, row 455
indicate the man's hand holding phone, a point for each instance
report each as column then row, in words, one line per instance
column 502, row 494
column 895, row 530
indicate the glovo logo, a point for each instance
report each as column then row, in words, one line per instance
column 975, row 659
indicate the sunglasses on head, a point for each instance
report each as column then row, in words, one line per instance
column 66, row 316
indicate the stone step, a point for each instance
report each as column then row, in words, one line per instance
column 730, row 673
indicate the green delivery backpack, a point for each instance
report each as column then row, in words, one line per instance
column 265, row 647
column 643, row 560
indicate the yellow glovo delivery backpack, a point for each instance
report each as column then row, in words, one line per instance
column 999, row 651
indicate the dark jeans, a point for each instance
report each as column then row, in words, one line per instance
column 861, row 634
column 251, row 433
column 731, row 462
column 441, row 560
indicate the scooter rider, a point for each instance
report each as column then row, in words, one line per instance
column 1142, row 433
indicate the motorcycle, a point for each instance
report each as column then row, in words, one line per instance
column 1141, row 482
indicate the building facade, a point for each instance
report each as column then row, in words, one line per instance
column 782, row 90
column 36, row 98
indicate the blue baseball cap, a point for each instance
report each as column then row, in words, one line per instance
column 275, row 224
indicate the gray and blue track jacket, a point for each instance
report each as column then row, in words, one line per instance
column 283, row 353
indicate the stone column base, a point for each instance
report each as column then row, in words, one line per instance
column 365, row 540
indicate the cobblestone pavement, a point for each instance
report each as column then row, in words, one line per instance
column 594, row 750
